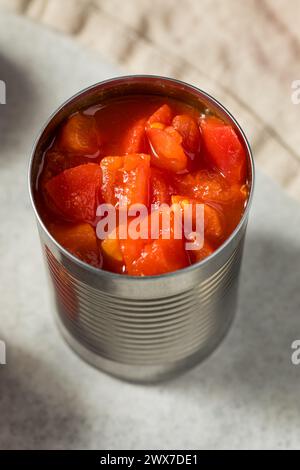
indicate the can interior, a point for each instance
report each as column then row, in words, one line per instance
column 126, row 86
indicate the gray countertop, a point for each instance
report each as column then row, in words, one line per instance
column 246, row 395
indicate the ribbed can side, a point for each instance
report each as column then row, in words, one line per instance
column 146, row 332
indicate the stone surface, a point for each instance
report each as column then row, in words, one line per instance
column 244, row 396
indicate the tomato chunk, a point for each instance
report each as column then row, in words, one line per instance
column 225, row 149
column 189, row 130
column 131, row 251
column 147, row 256
column 159, row 188
column 204, row 252
column 175, row 134
column 80, row 135
column 165, row 141
column 125, row 180
column 166, row 152
column 210, row 186
column 213, row 223
column 121, row 253
column 56, row 162
column 135, row 138
column 213, row 218
column 74, row 192
column 111, row 248
column 162, row 115
column 158, row 257
column 79, row 239
column 112, row 254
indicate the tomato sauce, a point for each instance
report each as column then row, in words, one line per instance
column 146, row 150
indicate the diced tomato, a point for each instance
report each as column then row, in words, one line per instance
column 147, row 256
column 210, row 186
column 111, row 171
column 158, row 257
column 148, row 152
column 131, row 251
column 79, row 239
column 173, row 133
column 213, row 219
column 159, row 188
column 80, row 135
column 225, row 149
column 118, row 252
column 111, row 248
column 56, row 162
column 165, row 141
column 112, row 255
column 189, row 130
column 74, row 192
column 162, row 115
column 135, row 138
column 213, row 223
column 204, row 252
column 125, row 180
column 166, row 152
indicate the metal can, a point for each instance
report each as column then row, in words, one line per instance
column 142, row 329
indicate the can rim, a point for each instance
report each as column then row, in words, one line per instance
column 188, row 269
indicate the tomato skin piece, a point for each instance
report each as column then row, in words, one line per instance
column 74, row 192
column 135, row 139
column 162, row 115
column 189, row 130
column 79, row 239
column 125, row 180
column 166, row 152
column 79, row 135
column 225, row 149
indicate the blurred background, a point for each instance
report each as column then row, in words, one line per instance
column 244, row 53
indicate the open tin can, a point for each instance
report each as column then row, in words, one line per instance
column 142, row 329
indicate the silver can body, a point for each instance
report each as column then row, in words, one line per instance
column 142, row 329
